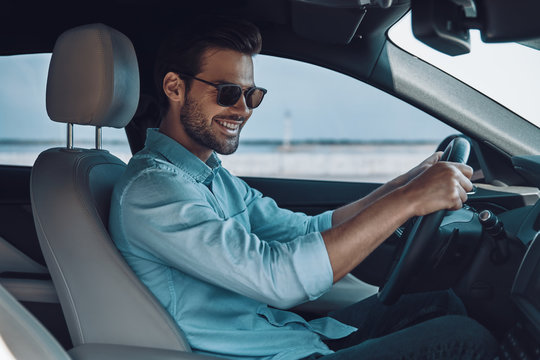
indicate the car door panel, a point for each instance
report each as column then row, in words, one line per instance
column 310, row 196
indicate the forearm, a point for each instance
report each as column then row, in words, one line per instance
column 352, row 241
column 442, row 186
column 347, row 212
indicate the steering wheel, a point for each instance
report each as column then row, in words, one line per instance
column 421, row 234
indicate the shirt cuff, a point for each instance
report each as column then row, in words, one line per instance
column 321, row 222
column 313, row 266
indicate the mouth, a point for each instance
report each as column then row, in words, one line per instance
column 230, row 126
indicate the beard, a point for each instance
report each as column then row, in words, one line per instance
column 197, row 127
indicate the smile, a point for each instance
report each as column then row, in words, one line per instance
column 229, row 125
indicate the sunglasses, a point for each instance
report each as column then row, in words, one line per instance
column 229, row 94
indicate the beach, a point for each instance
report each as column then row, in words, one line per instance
column 343, row 162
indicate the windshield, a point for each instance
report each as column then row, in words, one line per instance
column 508, row 73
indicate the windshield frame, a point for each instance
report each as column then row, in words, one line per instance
column 514, row 88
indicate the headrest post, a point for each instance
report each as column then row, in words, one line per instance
column 98, row 137
column 70, row 136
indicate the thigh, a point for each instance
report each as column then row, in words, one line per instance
column 448, row 337
column 374, row 319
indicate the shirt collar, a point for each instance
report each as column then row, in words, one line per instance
column 179, row 156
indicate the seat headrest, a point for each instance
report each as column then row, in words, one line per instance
column 93, row 77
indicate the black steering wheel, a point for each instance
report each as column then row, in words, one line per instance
column 421, row 234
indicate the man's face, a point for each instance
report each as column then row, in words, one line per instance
column 209, row 125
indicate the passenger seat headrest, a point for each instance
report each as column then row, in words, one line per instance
column 93, row 78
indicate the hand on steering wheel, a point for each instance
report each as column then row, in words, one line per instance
column 421, row 234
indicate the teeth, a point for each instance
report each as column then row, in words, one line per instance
column 228, row 125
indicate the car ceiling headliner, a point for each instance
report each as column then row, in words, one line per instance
column 33, row 26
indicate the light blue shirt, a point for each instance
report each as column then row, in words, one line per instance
column 216, row 253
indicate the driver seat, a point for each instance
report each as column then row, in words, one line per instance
column 93, row 80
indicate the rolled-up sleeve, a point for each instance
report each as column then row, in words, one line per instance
column 269, row 221
column 175, row 226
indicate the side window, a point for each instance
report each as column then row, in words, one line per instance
column 25, row 128
column 315, row 123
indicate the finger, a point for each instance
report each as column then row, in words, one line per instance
column 465, row 182
column 457, row 199
column 432, row 159
column 464, row 168
column 462, row 195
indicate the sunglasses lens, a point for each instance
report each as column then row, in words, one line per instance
column 254, row 97
column 229, row 95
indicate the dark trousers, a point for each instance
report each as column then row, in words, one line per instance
column 419, row 326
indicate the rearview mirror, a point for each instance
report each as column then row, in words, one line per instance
column 444, row 24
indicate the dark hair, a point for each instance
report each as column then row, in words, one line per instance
column 182, row 52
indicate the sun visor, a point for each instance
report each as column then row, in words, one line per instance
column 331, row 21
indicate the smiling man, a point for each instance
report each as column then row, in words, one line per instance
column 216, row 253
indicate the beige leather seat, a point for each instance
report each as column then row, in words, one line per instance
column 93, row 80
column 22, row 336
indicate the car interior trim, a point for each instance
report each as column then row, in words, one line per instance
column 14, row 260
column 453, row 101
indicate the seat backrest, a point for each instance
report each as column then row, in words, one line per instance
column 93, row 80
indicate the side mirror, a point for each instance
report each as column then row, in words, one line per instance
column 444, row 24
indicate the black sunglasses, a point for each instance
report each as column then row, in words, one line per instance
column 229, row 94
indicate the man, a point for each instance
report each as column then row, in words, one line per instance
column 216, row 253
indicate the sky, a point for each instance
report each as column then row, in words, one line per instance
column 304, row 102
column 506, row 72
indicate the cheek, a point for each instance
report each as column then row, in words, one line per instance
column 204, row 109
column 216, row 111
column 247, row 118
column 210, row 107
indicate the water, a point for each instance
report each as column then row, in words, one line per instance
column 346, row 162
column 25, row 153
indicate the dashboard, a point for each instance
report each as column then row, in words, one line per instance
column 523, row 340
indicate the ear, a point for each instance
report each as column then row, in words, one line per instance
column 174, row 88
